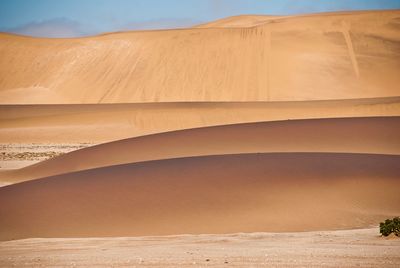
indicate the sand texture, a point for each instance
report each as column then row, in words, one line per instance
column 351, row 248
column 315, row 57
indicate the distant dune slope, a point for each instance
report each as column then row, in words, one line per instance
column 213, row 194
column 241, row 21
column 325, row 56
column 108, row 122
column 345, row 135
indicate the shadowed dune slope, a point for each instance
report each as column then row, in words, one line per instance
column 212, row 194
column 107, row 122
column 378, row 135
column 316, row 57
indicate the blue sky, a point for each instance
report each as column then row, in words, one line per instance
column 67, row 18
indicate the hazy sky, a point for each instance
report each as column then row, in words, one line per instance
column 65, row 18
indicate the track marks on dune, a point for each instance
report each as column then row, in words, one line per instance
column 269, row 55
column 265, row 60
column 350, row 48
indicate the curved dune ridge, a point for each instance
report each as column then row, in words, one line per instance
column 107, row 122
column 316, row 57
column 376, row 135
column 241, row 21
column 210, row 194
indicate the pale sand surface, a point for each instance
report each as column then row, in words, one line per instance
column 350, row 248
column 309, row 57
column 18, row 155
column 210, row 194
column 108, row 122
column 375, row 135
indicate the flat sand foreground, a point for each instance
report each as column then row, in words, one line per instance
column 350, row 248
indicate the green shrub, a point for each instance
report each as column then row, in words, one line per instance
column 390, row 226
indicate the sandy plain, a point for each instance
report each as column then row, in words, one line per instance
column 350, row 248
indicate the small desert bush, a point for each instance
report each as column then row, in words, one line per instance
column 390, row 226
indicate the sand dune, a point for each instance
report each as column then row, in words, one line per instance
column 346, row 135
column 317, row 57
column 213, row 194
column 256, row 123
column 108, row 122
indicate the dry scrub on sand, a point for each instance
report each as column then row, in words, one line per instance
column 19, row 155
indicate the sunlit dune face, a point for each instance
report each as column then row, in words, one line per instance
column 309, row 57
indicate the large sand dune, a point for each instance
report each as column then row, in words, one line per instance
column 212, row 194
column 316, row 57
column 378, row 135
column 107, row 122
column 246, row 124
